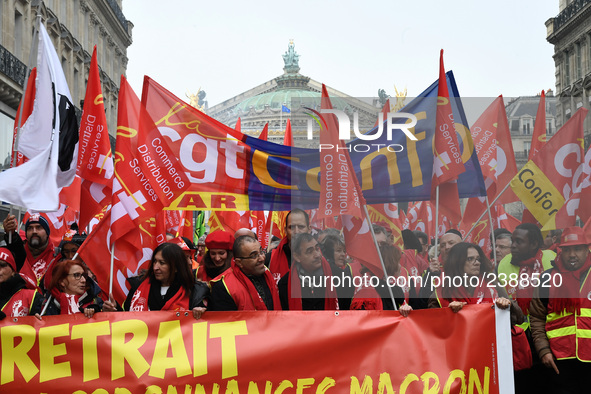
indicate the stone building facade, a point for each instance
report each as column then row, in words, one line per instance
column 75, row 27
column 570, row 33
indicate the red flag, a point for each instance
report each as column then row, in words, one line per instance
column 288, row 137
column 238, row 126
column 259, row 223
column 538, row 138
column 447, row 163
column 134, row 199
column 492, row 141
column 264, row 134
column 95, row 162
column 578, row 203
column 27, row 101
column 156, row 162
column 229, row 220
column 130, row 257
column 340, row 194
column 505, row 220
column 385, row 111
column 389, row 214
column 276, row 220
column 542, row 184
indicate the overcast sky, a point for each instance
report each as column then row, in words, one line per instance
column 357, row 47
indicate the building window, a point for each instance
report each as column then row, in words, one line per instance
column 549, row 130
column 526, row 147
column 6, row 130
column 526, row 127
column 18, row 34
column 567, row 69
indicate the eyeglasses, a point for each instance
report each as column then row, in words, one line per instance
column 253, row 255
column 471, row 259
column 77, row 275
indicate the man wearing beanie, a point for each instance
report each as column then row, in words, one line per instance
column 560, row 315
column 17, row 296
column 38, row 247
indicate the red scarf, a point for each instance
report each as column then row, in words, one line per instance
column 38, row 265
column 294, row 284
column 568, row 295
column 521, row 294
column 483, row 294
column 257, row 300
column 279, row 265
column 139, row 301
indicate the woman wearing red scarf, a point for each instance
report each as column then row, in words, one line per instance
column 72, row 291
column 466, row 265
column 168, row 285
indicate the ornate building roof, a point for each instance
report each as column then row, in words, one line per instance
column 285, row 97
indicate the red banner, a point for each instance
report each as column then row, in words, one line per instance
column 259, row 352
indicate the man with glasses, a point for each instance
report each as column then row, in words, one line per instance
column 502, row 245
column 247, row 285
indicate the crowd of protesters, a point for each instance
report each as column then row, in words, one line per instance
column 541, row 281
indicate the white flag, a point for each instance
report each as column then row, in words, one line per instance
column 49, row 139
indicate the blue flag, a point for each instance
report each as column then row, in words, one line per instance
column 285, row 109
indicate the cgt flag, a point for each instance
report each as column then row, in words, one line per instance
column 545, row 182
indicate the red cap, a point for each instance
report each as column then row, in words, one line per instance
column 573, row 236
column 6, row 255
column 180, row 242
column 220, row 240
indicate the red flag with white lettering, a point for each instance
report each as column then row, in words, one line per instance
column 134, row 199
column 95, row 162
column 577, row 204
column 543, row 185
column 447, row 163
column 337, row 175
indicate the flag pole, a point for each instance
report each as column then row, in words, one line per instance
column 375, row 242
column 492, row 231
column 437, row 221
column 111, row 271
column 270, row 230
column 22, row 105
column 484, row 213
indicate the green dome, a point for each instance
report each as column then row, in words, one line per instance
column 291, row 98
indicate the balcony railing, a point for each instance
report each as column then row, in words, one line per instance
column 12, row 67
column 569, row 12
column 118, row 13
